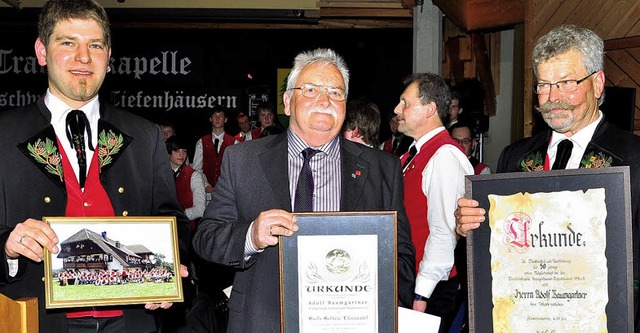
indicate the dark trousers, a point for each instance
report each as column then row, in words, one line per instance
column 442, row 302
column 96, row 325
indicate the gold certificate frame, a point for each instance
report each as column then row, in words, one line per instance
column 338, row 273
column 112, row 261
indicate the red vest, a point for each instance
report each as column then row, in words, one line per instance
column 94, row 201
column 478, row 168
column 183, row 187
column 388, row 146
column 212, row 159
column 415, row 201
column 255, row 133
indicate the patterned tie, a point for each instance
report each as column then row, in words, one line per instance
column 77, row 123
column 564, row 153
column 412, row 153
column 304, row 190
column 215, row 143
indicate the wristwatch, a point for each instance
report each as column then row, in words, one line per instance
column 421, row 298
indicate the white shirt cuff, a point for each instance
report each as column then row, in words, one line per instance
column 249, row 248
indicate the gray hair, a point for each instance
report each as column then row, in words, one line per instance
column 307, row 58
column 571, row 37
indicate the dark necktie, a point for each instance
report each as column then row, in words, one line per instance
column 562, row 156
column 77, row 123
column 215, row 143
column 304, row 190
column 412, row 153
column 175, row 173
column 394, row 145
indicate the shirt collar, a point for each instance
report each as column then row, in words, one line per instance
column 580, row 138
column 219, row 136
column 60, row 109
column 297, row 145
column 423, row 139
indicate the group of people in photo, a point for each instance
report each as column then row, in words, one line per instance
column 104, row 277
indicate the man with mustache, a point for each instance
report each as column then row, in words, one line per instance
column 259, row 188
column 568, row 62
column 434, row 170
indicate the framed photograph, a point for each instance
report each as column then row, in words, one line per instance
column 554, row 253
column 338, row 273
column 112, row 261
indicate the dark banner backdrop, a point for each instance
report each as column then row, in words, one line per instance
column 179, row 74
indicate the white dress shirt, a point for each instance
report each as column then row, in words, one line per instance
column 198, row 193
column 443, row 183
column 580, row 141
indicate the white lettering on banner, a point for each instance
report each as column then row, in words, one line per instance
column 17, row 98
column 170, row 100
column 18, row 64
column 168, row 63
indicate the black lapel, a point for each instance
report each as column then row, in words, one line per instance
column 111, row 144
column 274, row 161
column 355, row 172
column 43, row 151
column 535, row 155
column 596, row 155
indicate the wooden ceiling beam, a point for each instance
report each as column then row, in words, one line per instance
column 365, row 12
column 360, row 4
column 471, row 15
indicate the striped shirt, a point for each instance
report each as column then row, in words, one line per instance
column 327, row 174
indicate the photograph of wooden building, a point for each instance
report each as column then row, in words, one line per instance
column 87, row 249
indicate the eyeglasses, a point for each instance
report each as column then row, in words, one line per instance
column 563, row 86
column 313, row 91
column 464, row 141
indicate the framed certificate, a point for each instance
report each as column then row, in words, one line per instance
column 554, row 253
column 338, row 273
column 112, row 261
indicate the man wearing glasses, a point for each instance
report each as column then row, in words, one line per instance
column 568, row 63
column 462, row 134
column 308, row 168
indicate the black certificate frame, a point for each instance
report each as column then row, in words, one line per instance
column 383, row 224
column 618, row 252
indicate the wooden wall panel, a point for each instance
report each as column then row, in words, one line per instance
column 607, row 25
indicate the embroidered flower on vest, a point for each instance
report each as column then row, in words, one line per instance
column 593, row 160
column 47, row 153
column 533, row 162
column 108, row 144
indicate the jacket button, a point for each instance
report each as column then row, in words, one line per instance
column 47, row 200
column 125, row 213
column 86, row 204
column 120, row 189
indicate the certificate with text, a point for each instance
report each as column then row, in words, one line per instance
column 338, row 273
column 554, row 254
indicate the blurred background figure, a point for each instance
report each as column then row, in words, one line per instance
column 168, row 130
column 398, row 143
column 467, row 139
column 362, row 123
column 245, row 133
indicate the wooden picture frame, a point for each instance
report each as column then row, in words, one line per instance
column 113, row 261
